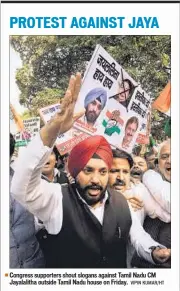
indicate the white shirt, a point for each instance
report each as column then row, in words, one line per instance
column 152, row 207
column 159, row 189
column 44, row 199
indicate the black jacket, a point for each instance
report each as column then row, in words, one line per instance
column 83, row 242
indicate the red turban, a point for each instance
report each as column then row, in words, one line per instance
column 83, row 152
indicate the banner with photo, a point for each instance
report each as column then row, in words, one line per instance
column 116, row 106
column 16, row 122
column 31, row 128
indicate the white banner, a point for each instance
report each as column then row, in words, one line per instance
column 116, row 107
column 31, row 128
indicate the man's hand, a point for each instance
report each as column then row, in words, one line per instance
column 161, row 256
column 70, row 178
column 66, row 115
column 64, row 119
column 135, row 180
column 135, row 201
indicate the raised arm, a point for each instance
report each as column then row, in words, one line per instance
column 41, row 198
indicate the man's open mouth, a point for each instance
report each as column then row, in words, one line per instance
column 94, row 192
column 136, row 173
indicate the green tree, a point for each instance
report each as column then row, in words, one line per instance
column 26, row 114
column 44, row 98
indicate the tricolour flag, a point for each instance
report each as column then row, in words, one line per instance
column 163, row 102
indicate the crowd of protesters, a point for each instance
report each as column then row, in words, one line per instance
column 96, row 207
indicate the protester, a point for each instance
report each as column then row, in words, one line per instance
column 151, row 160
column 130, row 130
column 139, row 167
column 52, row 174
column 24, row 247
column 78, row 213
column 94, row 103
column 119, row 179
column 158, row 183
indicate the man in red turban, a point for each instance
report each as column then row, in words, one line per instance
column 85, row 150
column 89, row 163
column 90, row 223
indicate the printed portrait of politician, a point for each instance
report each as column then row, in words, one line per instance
column 131, row 128
column 124, row 92
column 94, row 103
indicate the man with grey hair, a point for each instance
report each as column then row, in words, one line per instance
column 158, row 182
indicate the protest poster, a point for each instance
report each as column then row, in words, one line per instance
column 140, row 104
column 16, row 122
column 65, row 142
column 111, row 97
column 46, row 113
column 31, row 128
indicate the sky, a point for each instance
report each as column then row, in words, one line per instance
column 15, row 63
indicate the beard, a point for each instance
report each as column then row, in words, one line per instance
column 91, row 116
column 90, row 199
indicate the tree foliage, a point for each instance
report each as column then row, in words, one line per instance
column 48, row 61
column 26, row 114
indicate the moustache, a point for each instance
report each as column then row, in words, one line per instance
column 92, row 113
column 119, row 183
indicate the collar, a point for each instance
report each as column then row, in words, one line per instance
column 101, row 202
column 56, row 173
